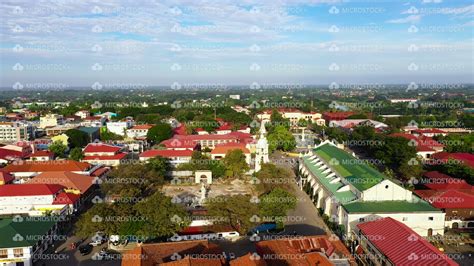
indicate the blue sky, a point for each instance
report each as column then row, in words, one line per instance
column 216, row 43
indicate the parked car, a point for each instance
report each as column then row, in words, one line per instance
column 85, row 249
column 97, row 242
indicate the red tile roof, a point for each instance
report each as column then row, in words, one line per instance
column 159, row 253
column 248, row 260
column 224, row 148
column 142, row 127
column 300, row 251
column 66, row 198
column 118, row 156
column 10, row 154
column 401, row 245
column 336, row 115
column 42, row 154
column 29, row 190
column 100, row 147
column 166, row 153
column 466, row 158
column 438, row 181
column 67, row 179
column 99, row 172
column 48, row 166
column 448, row 199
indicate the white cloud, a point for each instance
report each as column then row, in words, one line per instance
column 409, row 19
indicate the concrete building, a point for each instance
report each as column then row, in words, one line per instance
column 120, row 127
column 24, row 240
column 51, row 120
column 350, row 192
column 16, row 131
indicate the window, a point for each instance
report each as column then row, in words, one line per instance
column 3, row 253
column 361, row 219
column 386, row 186
column 430, row 218
column 17, row 252
column 405, row 219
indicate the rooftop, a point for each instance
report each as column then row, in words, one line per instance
column 355, row 171
column 100, row 147
column 401, row 245
column 396, row 206
column 166, row 153
column 49, row 166
column 67, row 179
column 29, row 190
column 22, row 234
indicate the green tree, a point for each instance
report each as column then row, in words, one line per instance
column 161, row 217
column 58, row 148
column 271, row 177
column 159, row 164
column 77, row 138
column 236, row 211
column 107, row 136
column 76, row 154
column 96, row 219
column 277, row 203
column 235, row 163
column 281, row 139
column 159, row 132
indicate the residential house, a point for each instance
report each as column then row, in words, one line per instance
column 425, row 146
column 104, row 154
column 176, row 157
column 221, row 150
column 455, row 197
column 138, row 131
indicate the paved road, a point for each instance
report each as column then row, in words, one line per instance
column 306, row 219
column 66, row 256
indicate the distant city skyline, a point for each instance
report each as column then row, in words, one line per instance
column 188, row 43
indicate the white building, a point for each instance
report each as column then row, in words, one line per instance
column 294, row 115
column 138, row 131
column 25, row 239
column 51, row 120
column 120, row 127
column 350, row 123
column 16, row 131
column 33, row 200
column 351, row 192
column 82, row 114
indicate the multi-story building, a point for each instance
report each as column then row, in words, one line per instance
column 138, row 131
column 35, row 200
column 51, row 120
column 294, row 115
column 25, row 239
column 120, row 127
column 104, row 154
column 82, row 114
column 176, row 157
column 349, row 191
column 16, row 131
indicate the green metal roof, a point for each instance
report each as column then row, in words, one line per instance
column 22, row 233
column 355, row 171
column 396, row 206
column 343, row 196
